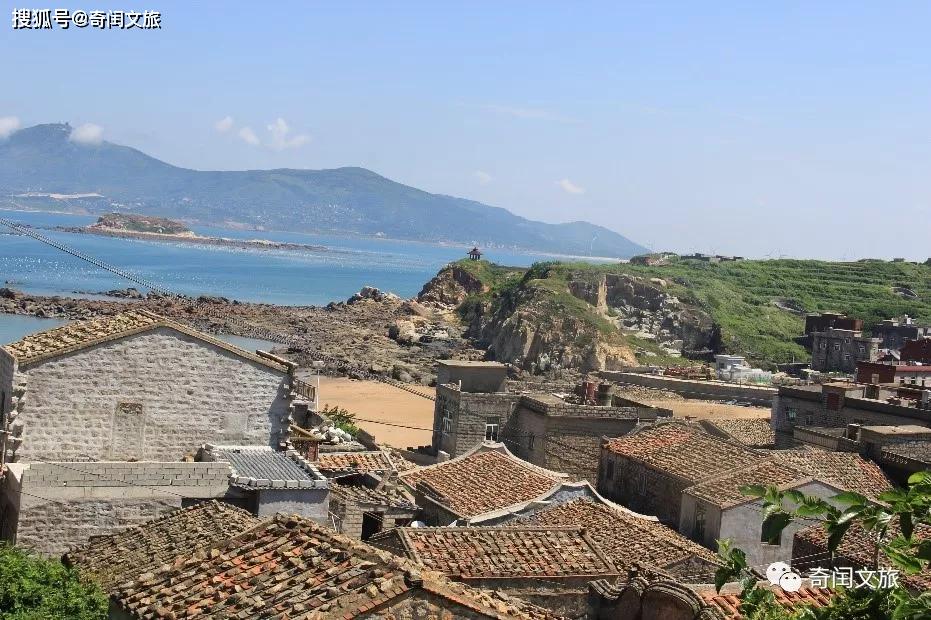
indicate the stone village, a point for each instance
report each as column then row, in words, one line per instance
column 192, row 478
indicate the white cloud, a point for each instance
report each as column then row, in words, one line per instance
column 88, row 133
column 281, row 137
column 8, row 124
column 483, row 177
column 224, row 124
column 569, row 187
column 248, row 136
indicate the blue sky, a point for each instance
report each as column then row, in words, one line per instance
column 762, row 129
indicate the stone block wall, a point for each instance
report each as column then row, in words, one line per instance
column 61, row 505
column 157, row 395
column 708, row 390
column 468, row 412
column 641, row 488
column 311, row 503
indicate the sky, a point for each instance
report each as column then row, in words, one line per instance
column 759, row 129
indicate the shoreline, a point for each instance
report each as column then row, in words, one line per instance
column 192, row 238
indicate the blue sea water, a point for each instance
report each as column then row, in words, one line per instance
column 288, row 277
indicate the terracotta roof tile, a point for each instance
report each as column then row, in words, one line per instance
column 334, row 463
column 683, row 450
column 754, row 432
column 857, row 548
column 291, row 567
column 358, row 489
column 120, row 557
column 729, row 604
column 481, row 481
column 847, row 470
column 724, row 490
column 919, row 450
column 625, row 538
column 79, row 335
column 500, row 552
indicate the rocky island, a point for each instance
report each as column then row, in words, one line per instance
column 151, row 228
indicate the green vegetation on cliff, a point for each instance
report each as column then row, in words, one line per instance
column 757, row 307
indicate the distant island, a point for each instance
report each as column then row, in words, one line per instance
column 151, row 228
column 42, row 169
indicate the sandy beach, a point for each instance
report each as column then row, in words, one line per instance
column 379, row 403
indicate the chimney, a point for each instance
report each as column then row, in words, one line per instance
column 853, row 432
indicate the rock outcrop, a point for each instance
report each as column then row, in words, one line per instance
column 450, row 287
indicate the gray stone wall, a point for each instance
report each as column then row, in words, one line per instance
column 708, row 390
column 641, row 488
column 742, row 524
column 469, row 412
column 838, row 350
column 6, row 383
column 157, row 395
column 61, row 505
column 813, row 412
column 311, row 503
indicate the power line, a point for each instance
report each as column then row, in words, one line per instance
column 268, row 334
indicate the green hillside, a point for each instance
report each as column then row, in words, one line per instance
column 741, row 297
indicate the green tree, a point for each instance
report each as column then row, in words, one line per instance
column 34, row 588
column 341, row 418
column 891, row 526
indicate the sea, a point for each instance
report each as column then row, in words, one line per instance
column 334, row 272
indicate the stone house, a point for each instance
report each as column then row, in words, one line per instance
column 917, row 351
column 51, row 507
column 266, row 481
column 137, row 386
column 856, row 550
column 102, row 415
column 914, row 375
column 117, row 558
column 627, row 538
column 646, row 595
column 547, row 566
column 543, row 429
column 486, row 479
column 648, row 470
column 835, row 405
column 293, row 567
column 717, row 509
column 839, row 350
column 895, row 333
column 363, row 504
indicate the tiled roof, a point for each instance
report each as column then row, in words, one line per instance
column 625, row 538
column 262, row 467
column 857, row 548
column 481, row 481
column 331, row 463
column 754, row 432
column 683, row 450
column 358, row 489
column 847, row 470
column 290, row 567
column 724, row 490
column 79, row 335
column 120, row 557
column 500, row 552
column 729, row 604
column 914, row 450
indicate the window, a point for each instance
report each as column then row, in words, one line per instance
column 808, row 419
column 861, row 348
column 846, row 340
column 530, row 440
column 767, row 541
column 847, row 357
column 837, row 346
column 447, row 426
column 823, row 345
column 698, row 532
column 609, row 470
column 491, row 431
column 790, row 414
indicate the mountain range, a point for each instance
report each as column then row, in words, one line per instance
column 43, row 167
